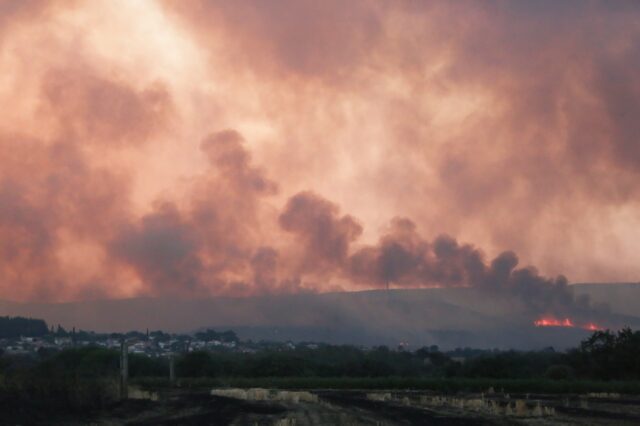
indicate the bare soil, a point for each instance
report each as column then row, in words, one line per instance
column 189, row 407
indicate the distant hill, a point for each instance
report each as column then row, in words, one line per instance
column 624, row 298
column 451, row 317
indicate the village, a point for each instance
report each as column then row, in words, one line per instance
column 152, row 344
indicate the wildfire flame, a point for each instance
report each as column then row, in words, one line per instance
column 564, row 322
column 553, row 322
column 592, row 327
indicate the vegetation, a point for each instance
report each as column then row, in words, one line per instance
column 11, row 327
column 605, row 355
column 445, row 385
column 72, row 382
column 87, row 378
column 210, row 335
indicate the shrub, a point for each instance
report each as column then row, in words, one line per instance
column 559, row 372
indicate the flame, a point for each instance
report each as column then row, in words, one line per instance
column 592, row 327
column 564, row 322
column 553, row 322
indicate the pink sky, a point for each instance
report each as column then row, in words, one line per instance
column 207, row 147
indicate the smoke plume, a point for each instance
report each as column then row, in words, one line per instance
column 204, row 148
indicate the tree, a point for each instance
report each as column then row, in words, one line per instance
column 12, row 327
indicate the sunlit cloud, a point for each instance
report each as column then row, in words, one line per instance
column 203, row 147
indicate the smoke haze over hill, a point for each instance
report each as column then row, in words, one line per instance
column 449, row 317
column 204, row 149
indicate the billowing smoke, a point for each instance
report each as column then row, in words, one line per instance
column 207, row 245
column 402, row 258
column 201, row 148
column 323, row 236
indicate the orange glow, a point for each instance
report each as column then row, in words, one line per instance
column 564, row 322
column 592, row 327
column 553, row 322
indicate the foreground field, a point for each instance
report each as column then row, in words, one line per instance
column 445, row 385
column 340, row 407
column 257, row 406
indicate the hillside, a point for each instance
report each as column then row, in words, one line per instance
column 447, row 317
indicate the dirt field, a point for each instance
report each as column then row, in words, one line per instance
column 327, row 407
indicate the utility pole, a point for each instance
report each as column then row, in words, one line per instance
column 388, row 288
column 124, row 369
column 172, row 369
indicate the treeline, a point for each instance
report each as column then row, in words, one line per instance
column 221, row 336
column 80, row 379
column 13, row 327
column 605, row 355
column 608, row 355
column 16, row 327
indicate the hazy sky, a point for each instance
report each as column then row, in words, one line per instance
column 240, row 147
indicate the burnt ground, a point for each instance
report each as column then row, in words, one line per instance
column 198, row 409
column 188, row 407
column 398, row 414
